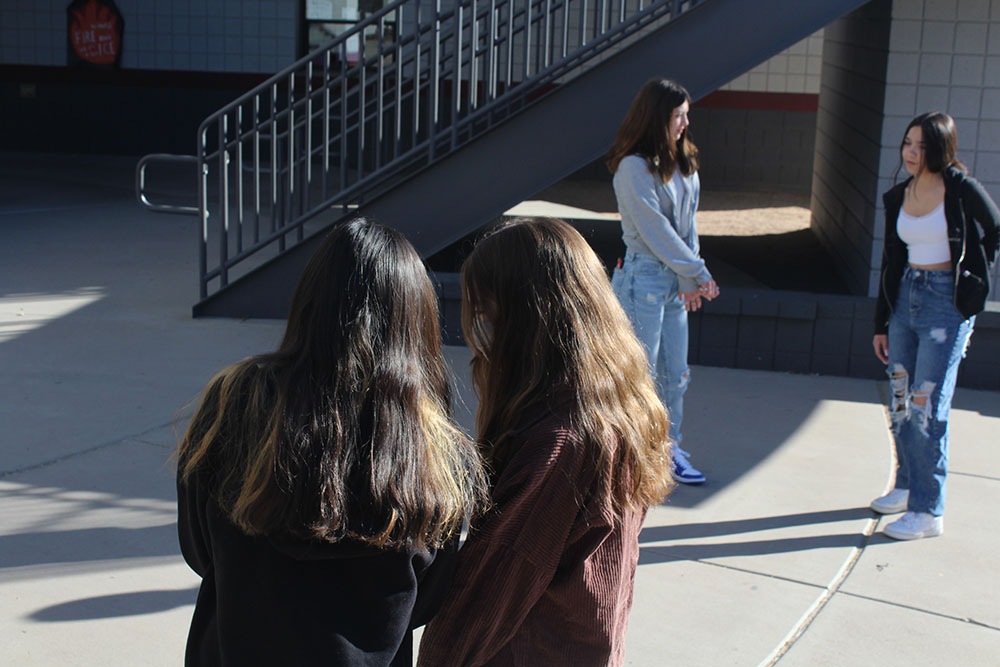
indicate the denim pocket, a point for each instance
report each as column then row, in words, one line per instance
column 943, row 286
column 642, row 266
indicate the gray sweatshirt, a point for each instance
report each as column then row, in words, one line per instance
column 658, row 219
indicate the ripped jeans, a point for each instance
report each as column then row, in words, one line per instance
column 927, row 340
column 647, row 290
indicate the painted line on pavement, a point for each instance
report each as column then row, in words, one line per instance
column 82, row 452
column 845, row 570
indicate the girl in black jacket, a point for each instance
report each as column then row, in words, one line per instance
column 317, row 484
column 941, row 231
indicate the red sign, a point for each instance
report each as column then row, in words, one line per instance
column 95, row 31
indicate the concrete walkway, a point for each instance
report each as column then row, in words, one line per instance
column 776, row 558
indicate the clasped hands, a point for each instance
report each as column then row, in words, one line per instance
column 692, row 300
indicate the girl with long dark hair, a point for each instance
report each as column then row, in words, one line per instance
column 316, row 483
column 663, row 277
column 941, row 236
column 576, row 441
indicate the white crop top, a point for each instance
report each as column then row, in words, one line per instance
column 926, row 236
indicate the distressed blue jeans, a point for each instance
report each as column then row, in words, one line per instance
column 648, row 292
column 927, row 340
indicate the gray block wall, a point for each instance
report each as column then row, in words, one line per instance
column 845, row 184
column 746, row 149
column 206, row 35
column 755, row 149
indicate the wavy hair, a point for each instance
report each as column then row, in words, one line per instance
column 644, row 132
column 539, row 314
column 343, row 432
column 940, row 139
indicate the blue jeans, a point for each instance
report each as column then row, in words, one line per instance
column 647, row 290
column 927, row 340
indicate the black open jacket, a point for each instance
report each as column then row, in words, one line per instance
column 973, row 232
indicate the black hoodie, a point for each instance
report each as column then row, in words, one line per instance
column 267, row 602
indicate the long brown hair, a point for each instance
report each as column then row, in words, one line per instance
column 343, row 431
column 940, row 139
column 644, row 132
column 539, row 314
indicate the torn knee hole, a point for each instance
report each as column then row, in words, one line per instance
column 922, row 396
column 685, row 379
column 898, row 381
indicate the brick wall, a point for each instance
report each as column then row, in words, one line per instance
column 845, row 187
column 755, row 149
column 794, row 70
column 204, row 35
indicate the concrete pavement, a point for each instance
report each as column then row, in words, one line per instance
column 776, row 558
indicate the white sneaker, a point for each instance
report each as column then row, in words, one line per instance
column 914, row 525
column 892, row 502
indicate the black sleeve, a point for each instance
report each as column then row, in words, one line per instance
column 192, row 529
column 984, row 211
column 881, row 305
column 434, row 583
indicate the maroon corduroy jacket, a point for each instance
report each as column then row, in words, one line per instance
column 546, row 578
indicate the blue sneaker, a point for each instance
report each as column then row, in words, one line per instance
column 682, row 470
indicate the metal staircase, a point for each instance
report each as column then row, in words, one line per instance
column 436, row 118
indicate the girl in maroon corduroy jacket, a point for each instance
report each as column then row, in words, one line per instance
column 576, row 438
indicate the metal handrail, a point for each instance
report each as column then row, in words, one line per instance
column 404, row 88
column 140, row 183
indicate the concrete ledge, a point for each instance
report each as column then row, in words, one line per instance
column 795, row 332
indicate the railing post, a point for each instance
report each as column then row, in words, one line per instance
column 309, row 138
column 380, row 107
column 473, row 59
column 435, row 76
column 275, row 167
column 490, row 79
column 203, row 205
column 456, row 79
column 256, row 169
column 343, row 121
column 326, row 125
column 399, row 82
column 239, row 179
column 224, row 197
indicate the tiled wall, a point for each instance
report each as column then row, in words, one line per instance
column 253, row 36
column 755, row 149
column 945, row 55
column 794, row 70
column 849, row 140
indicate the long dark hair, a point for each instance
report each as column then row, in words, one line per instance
column 540, row 316
column 940, row 142
column 343, row 431
column 644, row 132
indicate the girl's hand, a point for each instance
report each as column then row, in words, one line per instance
column 881, row 345
column 709, row 290
column 692, row 300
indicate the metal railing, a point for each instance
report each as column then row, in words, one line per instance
column 404, row 88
